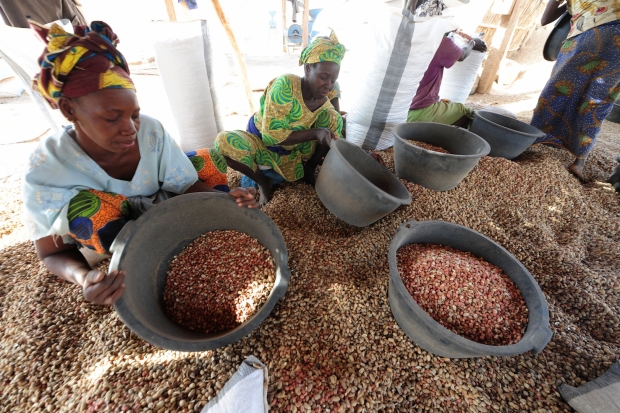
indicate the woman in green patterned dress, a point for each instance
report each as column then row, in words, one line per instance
column 292, row 131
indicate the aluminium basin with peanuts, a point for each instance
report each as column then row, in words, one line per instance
column 432, row 169
column 145, row 247
column 432, row 336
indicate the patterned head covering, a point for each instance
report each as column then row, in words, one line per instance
column 323, row 50
column 74, row 65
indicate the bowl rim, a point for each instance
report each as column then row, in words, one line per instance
column 401, row 201
column 480, row 112
column 485, row 151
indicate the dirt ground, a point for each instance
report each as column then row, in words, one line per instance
column 332, row 343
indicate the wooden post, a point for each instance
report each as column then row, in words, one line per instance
column 284, row 36
column 304, row 25
column 491, row 67
column 240, row 59
column 170, row 9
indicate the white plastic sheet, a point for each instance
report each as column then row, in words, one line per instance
column 245, row 391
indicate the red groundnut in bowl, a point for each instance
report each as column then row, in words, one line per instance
column 455, row 302
column 218, row 281
column 464, row 293
column 429, row 147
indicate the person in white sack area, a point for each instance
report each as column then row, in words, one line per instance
column 426, row 105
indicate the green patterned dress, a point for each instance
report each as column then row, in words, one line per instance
column 282, row 111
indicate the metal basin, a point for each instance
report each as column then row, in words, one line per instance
column 508, row 137
column 356, row 188
column 432, row 336
column 434, row 170
column 145, row 247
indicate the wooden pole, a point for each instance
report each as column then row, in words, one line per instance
column 491, row 67
column 233, row 42
column 304, row 25
column 284, row 37
column 170, row 9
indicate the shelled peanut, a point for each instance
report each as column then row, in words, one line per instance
column 429, row 147
column 218, row 281
column 464, row 293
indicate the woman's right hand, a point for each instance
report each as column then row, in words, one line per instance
column 103, row 289
column 325, row 136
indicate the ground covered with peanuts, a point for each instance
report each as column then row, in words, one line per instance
column 332, row 345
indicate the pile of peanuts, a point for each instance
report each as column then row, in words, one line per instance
column 218, row 281
column 332, row 344
column 428, row 146
column 464, row 293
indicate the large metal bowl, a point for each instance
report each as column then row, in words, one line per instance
column 435, row 338
column 145, row 247
column 435, row 170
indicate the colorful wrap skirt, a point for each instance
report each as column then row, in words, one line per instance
column 96, row 217
column 581, row 90
column 444, row 111
column 248, row 148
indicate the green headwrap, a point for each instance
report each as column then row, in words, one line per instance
column 323, row 50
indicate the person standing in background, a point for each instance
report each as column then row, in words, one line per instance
column 585, row 80
column 426, row 105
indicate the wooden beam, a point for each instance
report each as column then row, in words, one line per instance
column 491, row 66
column 284, row 36
column 170, row 9
column 304, row 25
column 233, row 42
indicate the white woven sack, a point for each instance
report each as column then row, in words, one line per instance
column 187, row 68
column 394, row 65
column 457, row 81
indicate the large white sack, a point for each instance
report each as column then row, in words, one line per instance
column 187, row 67
column 457, row 81
column 389, row 70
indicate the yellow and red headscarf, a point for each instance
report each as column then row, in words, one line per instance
column 323, row 50
column 74, row 65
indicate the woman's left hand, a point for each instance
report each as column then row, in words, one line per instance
column 245, row 197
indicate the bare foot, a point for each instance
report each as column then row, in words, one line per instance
column 577, row 169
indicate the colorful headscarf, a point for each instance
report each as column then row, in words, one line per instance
column 323, row 50
column 74, row 65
